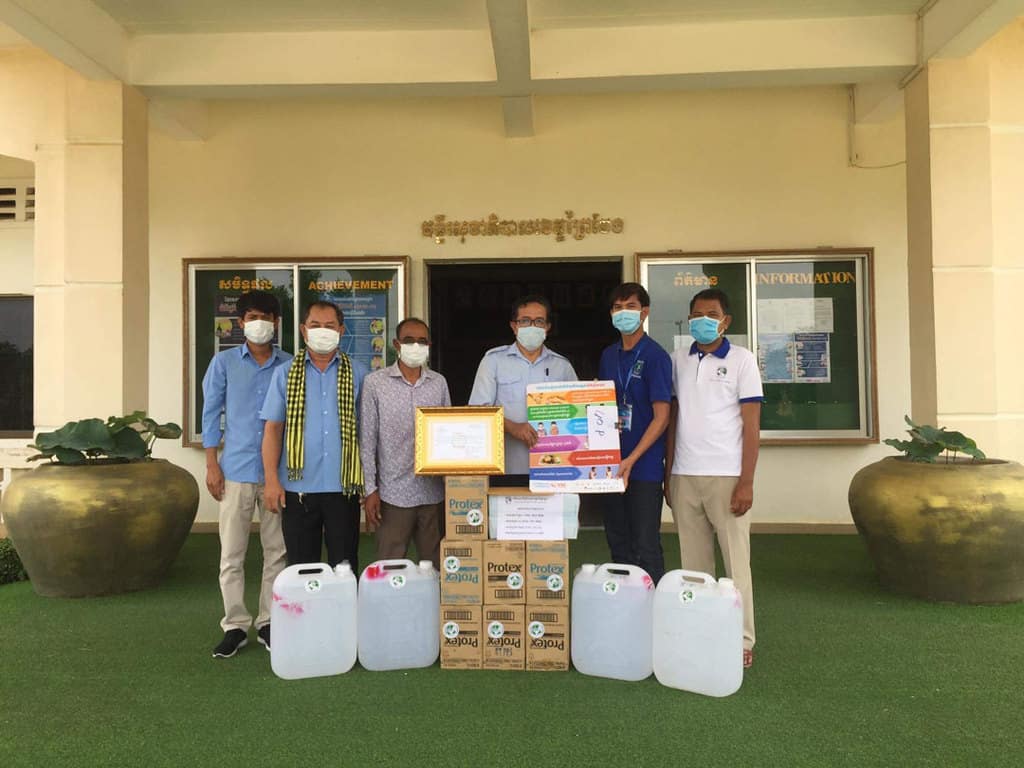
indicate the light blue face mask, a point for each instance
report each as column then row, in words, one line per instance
column 704, row 329
column 626, row 320
column 531, row 337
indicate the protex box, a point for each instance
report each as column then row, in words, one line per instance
column 547, row 638
column 465, row 507
column 547, row 572
column 461, row 572
column 504, row 572
column 504, row 643
column 461, row 639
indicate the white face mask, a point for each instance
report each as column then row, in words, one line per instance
column 531, row 337
column 414, row 355
column 258, row 331
column 322, row 340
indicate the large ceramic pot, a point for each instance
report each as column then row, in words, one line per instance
column 102, row 528
column 949, row 532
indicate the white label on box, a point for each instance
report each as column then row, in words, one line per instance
column 474, row 517
column 535, row 518
column 451, row 630
column 451, row 564
column 496, row 630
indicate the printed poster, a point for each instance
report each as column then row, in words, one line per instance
column 794, row 358
column 577, row 450
column 365, row 336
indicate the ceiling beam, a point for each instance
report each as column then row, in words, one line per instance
column 75, row 32
column 726, row 47
column 956, row 28
column 312, row 58
column 510, row 40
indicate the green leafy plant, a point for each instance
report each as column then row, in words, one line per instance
column 928, row 443
column 11, row 569
column 119, row 438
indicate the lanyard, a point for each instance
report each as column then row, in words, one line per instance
column 624, row 385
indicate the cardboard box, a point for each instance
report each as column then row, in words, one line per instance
column 504, row 573
column 462, row 580
column 465, row 506
column 504, row 637
column 547, row 638
column 461, row 638
column 547, row 572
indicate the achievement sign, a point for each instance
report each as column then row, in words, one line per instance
column 577, row 450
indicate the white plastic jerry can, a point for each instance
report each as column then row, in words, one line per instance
column 399, row 621
column 612, row 614
column 313, row 615
column 698, row 633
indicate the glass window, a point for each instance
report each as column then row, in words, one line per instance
column 15, row 366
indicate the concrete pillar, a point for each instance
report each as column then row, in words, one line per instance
column 965, row 187
column 92, row 256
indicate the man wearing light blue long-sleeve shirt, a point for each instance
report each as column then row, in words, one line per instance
column 310, row 444
column 235, row 386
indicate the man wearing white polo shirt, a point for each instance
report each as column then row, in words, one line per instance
column 713, row 437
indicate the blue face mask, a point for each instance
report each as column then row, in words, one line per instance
column 626, row 320
column 704, row 329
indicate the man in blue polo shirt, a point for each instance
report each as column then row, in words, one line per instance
column 712, row 449
column 642, row 373
column 310, row 444
column 235, row 384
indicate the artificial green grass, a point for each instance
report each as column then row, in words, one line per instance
column 845, row 674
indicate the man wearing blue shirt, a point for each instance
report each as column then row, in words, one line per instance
column 310, row 444
column 505, row 371
column 642, row 372
column 235, row 385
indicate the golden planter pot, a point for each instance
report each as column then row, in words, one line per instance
column 945, row 532
column 100, row 529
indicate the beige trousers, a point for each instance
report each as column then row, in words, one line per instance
column 700, row 507
column 237, row 506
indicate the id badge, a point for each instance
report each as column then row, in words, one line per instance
column 625, row 418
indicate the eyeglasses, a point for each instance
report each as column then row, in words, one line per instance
column 536, row 322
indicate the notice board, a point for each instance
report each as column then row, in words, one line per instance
column 807, row 317
column 371, row 291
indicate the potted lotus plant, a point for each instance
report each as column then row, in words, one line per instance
column 943, row 521
column 100, row 515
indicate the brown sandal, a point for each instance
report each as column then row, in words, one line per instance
column 748, row 658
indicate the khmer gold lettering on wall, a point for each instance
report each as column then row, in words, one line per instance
column 440, row 228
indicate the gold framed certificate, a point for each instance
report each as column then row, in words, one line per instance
column 460, row 441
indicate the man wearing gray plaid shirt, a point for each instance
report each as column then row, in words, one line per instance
column 397, row 503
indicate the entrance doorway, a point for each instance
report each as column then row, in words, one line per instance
column 470, row 304
column 469, row 308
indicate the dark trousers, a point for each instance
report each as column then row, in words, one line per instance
column 632, row 525
column 310, row 519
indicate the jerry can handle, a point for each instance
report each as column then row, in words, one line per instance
column 397, row 564
column 621, row 569
column 698, row 577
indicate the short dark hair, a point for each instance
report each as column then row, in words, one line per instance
column 532, row 298
column 398, row 330
column 261, row 301
column 627, row 290
column 323, row 304
column 712, row 294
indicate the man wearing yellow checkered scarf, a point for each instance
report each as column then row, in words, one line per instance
column 310, row 445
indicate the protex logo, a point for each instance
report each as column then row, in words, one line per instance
column 720, row 371
column 545, row 570
column 463, row 504
column 467, row 574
